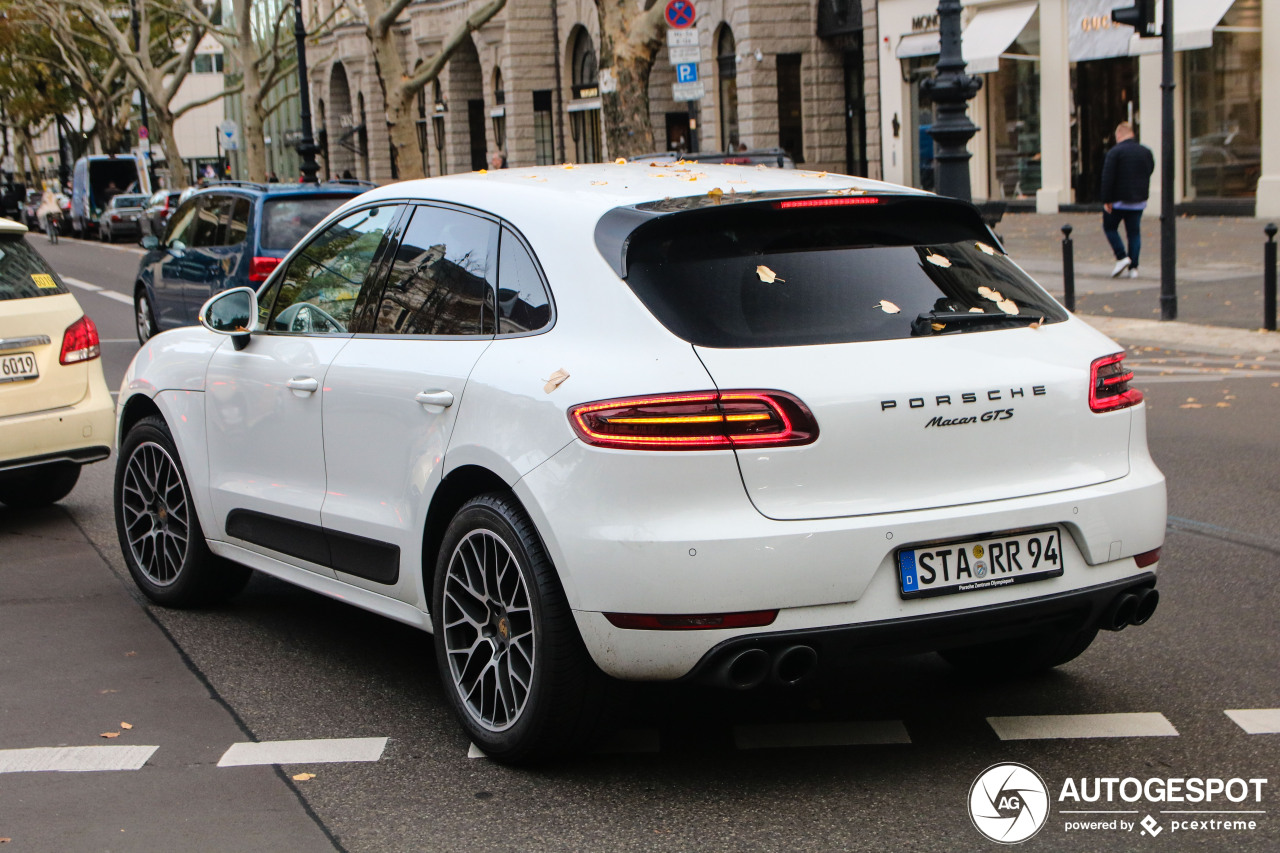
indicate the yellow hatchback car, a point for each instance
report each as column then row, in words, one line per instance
column 56, row 413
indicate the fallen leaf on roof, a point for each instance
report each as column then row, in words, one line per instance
column 126, row 725
column 570, row 166
column 598, row 183
column 737, row 182
column 483, row 172
column 1008, row 306
column 621, row 161
column 555, row 380
column 888, row 307
column 109, row 734
column 848, row 191
column 303, row 777
column 767, row 275
column 938, row 261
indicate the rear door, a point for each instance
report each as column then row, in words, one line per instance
column 938, row 373
column 168, row 275
column 204, row 269
column 392, row 396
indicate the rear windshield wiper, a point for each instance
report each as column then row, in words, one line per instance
column 955, row 320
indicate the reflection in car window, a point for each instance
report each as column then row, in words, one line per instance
column 182, row 226
column 523, row 305
column 210, row 215
column 319, row 289
column 238, row 227
column 439, row 278
column 285, row 221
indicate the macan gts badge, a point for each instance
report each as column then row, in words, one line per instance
column 708, row 447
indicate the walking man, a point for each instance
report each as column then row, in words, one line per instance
column 1126, row 184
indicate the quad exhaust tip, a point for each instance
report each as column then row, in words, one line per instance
column 1130, row 608
column 749, row 668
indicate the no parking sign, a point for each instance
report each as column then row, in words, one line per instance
column 680, row 14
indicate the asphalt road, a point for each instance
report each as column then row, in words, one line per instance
column 282, row 664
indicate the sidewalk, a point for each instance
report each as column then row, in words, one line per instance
column 1219, row 279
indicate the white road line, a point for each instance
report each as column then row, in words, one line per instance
column 1056, row 726
column 118, row 297
column 83, row 285
column 304, row 751
column 859, row 733
column 1257, row 721
column 74, row 759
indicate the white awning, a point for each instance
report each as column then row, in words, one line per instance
column 989, row 34
column 919, row 44
column 1193, row 24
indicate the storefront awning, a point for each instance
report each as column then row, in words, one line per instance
column 919, row 44
column 990, row 32
column 1193, row 23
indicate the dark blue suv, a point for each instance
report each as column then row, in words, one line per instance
column 232, row 234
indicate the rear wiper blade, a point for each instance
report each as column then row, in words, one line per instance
column 924, row 323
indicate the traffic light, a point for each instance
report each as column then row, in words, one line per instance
column 1141, row 16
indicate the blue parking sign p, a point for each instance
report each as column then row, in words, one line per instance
column 687, row 72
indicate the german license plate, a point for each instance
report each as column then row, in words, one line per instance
column 18, row 366
column 964, row 565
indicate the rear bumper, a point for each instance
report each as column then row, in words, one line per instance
column 81, row 433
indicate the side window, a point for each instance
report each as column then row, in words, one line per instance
column 523, row 304
column 238, row 226
column 319, row 288
column 440, row 276
column 210, row 214
column 182, row 226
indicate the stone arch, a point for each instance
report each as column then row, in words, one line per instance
column 726, row 48
column 464, row 91
column 341, row 123
column 584, row 97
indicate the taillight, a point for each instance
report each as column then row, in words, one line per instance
column 1109, row 385
column 700, row 622
column 702, row 420
column 838, row 201
column 260, row 268
column 115, row 217
column 1147, row 558
column 80, row 342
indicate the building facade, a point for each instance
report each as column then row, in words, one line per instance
column 795, row 74
column 1058, row 76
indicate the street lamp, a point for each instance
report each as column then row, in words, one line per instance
column 951, row 89
column 307, row 147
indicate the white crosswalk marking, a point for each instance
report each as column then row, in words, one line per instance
column 857, row 733
column 74, row 759
column 1257, row 721
column 1055, row 726
column 324, row 751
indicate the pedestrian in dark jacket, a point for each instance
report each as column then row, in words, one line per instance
column 1126, row 185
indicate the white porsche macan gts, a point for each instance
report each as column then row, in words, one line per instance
column 652, row 422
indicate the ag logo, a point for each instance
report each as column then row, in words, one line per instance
column 1009, row 803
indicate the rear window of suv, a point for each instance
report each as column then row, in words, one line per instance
column 23, row 273
column 773, row 274
column 285, row 221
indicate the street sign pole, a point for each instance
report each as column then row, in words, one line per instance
column 1168, row 224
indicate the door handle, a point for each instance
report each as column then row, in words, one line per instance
column 303, row 384
column 443, row 399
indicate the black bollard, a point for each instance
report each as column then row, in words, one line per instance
column 1068, row 270
column 1269, row 279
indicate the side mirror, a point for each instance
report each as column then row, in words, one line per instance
column 232, row 312
column 149, row 242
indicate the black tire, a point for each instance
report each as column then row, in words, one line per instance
column 1020, row 657
column 39, row 485
column 157, row 525
column 144, row 316
column 561, row 707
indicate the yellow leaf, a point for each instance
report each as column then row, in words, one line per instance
column 570, row 166
column 976, row 311
column 598, row 183
column 109, row 734
column 937, row 327
column 767, row 275
column 985, row 292
column 483, row 172
column 621, row 161
column 938, row 261
column 555, row 380
column 1008, row 306
column 303, row 777
column 126, row 725
column 888, row 307
column 984, row 248
column 715, row 192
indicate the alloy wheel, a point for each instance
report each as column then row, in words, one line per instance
column 489, row 632
column 156, row 513
column 142, row 308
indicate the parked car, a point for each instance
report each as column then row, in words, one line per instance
column 230, row 235
column 56, row 413
column 708, row 423
column 773, row 157
column 160, row 207
column 122, row 218
column 29, row 206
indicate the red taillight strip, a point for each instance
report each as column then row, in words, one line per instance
column 1111, row 392
column 825, row 202
column 696, row 622
column 1146, row 558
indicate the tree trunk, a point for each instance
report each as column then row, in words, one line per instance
column 251, row 133
column 629, row 40
column 399, row 106
column 162, row 124
column 402, row 115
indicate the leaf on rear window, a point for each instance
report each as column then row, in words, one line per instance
column 303, row 777
column 976, row 311
column 767, row 275
column 715, row 192
column 985, row 249
column 1008, row 306
column 1037, row 324
column 109, row 734
column 937, row 327
column 888, row 307
column 985, row 292
column 555, row 380
column 938, row 260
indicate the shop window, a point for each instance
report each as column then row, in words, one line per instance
column 1013, row 119
column 207, row 63
column 584, row 113
column 727, row 65
column 543, row 136
column 1224, row 108
column 790, row 107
